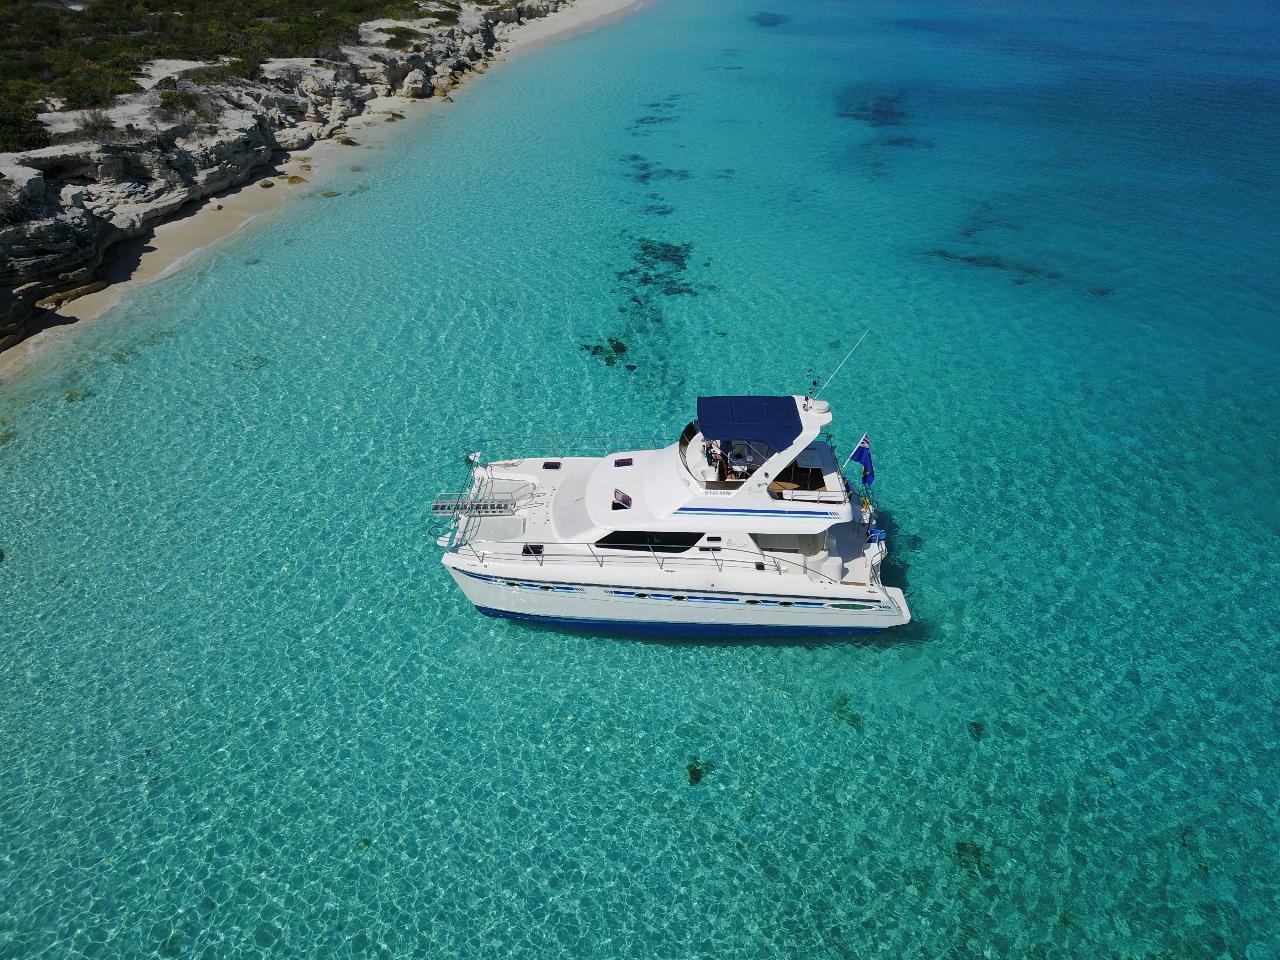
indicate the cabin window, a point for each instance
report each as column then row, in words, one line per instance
column 550, row 464
column 671, row 542
column 623, row 462
column 531, row 550
column 621, row 501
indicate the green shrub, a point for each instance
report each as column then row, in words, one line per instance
column 402, row 37
column 20, row 129
column 95, row 125
column 179, row 101
column 87, row 57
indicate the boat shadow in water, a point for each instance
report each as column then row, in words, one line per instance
column 896, row 569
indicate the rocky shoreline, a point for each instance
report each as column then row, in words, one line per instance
column 63, row 206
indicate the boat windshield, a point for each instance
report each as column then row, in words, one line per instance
column 721, row 462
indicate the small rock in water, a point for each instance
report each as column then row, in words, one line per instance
column 253, row 261
column 841, row 709
column 767, row 19
column 123, row 356
column 970, row 855
column 348, row 142
column 698, row 769
column 976, row 729
column 1, row 556
column 294, row 180
column 7, row 437
column 265, row 184
column 76, row 394
column 631, row 367
column 329, row 193
column 250, row 361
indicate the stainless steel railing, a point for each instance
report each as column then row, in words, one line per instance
column 543, row 553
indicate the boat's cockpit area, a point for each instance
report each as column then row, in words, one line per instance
column 726, row 464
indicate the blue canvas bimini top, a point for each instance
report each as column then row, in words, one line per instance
column 771, row 420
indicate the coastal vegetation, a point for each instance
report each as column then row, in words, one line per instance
column 80, row 56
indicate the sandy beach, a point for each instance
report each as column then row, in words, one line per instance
column 132, row 264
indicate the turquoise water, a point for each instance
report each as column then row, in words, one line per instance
column 245, row 713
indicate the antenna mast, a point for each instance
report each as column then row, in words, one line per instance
column 842, row 363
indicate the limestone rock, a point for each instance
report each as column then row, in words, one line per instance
column 415, row 85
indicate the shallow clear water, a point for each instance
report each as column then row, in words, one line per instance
column 246, row 713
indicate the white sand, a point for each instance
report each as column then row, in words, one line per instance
column 174, row 242
column 582, row 16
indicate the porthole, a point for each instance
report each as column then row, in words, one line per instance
column 642, row 596
column 679, row 596
column 785, row 603
column 756, row 602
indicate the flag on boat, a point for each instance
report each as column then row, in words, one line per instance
column 862, row 453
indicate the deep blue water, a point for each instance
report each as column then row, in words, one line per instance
column 245, row 712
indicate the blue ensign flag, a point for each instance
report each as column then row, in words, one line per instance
column 862, row 453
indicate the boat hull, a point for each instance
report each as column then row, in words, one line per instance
column 675, row 630
column 676, row 607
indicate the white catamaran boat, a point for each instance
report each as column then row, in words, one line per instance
column 746, row 526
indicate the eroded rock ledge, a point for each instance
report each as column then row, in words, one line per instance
column 62, row 207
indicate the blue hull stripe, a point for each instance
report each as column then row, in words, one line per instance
column 655, row 628
column 486, row 578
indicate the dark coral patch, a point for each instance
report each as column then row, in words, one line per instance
column 644, row 170
column 884, row 110
column 249, row 361
column 1024, row 271
column 659, row 209
column 123, row 356
column 697, row 769
column 1188, row 842
column 76, row 394
column 7, row 437
column 766, row 19
column 659, row 264
column 914, row 143
column 1102, row 291
column 971, row 857
column 976, row 729
column 651, row 254
column 841, row 709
